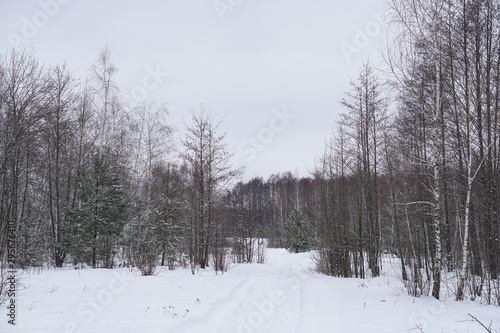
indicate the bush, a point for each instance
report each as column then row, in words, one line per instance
column 146, row 264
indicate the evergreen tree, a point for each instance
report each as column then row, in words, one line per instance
column 157, row 230
column 299, row 234
column 99, row 217
column 167, row 200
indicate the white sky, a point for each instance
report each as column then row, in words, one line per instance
column 243, row 65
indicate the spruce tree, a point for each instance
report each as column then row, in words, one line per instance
column 169, row 227
column 100, row 213
column 299, row 234
column 157, row 230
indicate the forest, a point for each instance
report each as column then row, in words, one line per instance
column 411, row 170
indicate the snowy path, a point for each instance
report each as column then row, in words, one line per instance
column 285, row 296
column 281, row 296
column 269, row 299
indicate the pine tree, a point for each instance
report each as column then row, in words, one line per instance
column 158, row 229
column 100, row 215
column 299, row 234
column 167, row 204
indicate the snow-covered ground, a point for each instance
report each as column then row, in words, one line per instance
column 282, row 295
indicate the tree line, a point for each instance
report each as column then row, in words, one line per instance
column 86, row 179
column 413, row 166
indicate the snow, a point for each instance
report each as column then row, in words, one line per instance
column 282, row 295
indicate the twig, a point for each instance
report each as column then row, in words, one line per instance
column 488, row 329
column 418, row 327
column 31, row 306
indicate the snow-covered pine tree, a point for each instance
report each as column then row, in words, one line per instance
column 167, row 203
column 299, row 234
column 100, row 213
column 157, row 230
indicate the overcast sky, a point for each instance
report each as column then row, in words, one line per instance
column 274, row 70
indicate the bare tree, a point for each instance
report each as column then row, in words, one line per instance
column 420, row 26
column 25, row 100
column 207, row 160
column 58, row 137
column 365, row 117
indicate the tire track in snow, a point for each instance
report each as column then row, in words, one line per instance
column 218, row 317
column 268, row 300
column 319, row 302
column 275, row 303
